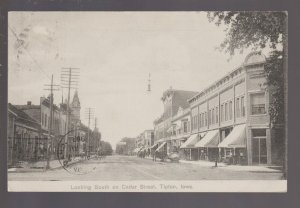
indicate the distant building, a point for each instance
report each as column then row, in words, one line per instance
column 25, row 142
column 173, row 100
column 29, row 131
column 145, row 139
column 126, row 146
column 41, row 114
column 181, row 130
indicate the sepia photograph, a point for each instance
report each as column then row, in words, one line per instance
column 107, row 101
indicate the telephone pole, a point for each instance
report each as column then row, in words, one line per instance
column 69, row 80
column 149, row 83
column 98, row 137
column 89, row 112
column 49, row 153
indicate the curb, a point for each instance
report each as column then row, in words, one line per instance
column 42, row 169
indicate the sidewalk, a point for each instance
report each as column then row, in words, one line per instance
column 40, row 165
column 250, row 168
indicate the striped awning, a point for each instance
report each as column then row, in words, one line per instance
column 211, row 139
column 161, row 146
column 236, row 138
column 190, row 142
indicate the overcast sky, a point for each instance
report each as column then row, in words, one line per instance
column 115, row 52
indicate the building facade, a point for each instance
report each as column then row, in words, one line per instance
column 172, row 100
column 24, row 139
column 181, row 131
column 32, row 137
column 230, row 119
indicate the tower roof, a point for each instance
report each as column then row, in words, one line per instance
column 76, row 101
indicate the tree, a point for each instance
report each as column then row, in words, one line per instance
column 258, row 30
column 106, row 148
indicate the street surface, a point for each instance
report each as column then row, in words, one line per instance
column 117, row 168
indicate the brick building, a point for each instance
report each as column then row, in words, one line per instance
column 230, row 119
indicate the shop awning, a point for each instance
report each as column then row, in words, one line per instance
column 236, row 138
column 136, row 150
column 154, row 146
column 142, row 149
column 211, row 139
column 179, row 137
column 170, row 129
column 160, row 140
column 190, row 142
column 161, row 146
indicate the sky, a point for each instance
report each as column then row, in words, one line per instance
column 115, row 52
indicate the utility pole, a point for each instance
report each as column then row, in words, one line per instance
column 149, row 83
column 69, row 80
column 98, row 139
column 49, row 153
column 95, row 123
column 89, row 115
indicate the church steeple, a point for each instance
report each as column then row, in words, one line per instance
column 75, row 102
column 75, row 107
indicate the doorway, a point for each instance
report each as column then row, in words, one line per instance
column 259, row 146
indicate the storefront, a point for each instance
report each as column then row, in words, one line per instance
column 161, row 151
column 233, row 147
column 208, row 146
column 259, row 146
column 190, row 151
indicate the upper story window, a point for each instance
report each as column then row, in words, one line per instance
column 46, row 120
column 258, row 104
column 200, row 120
column 226, row 111
column 222, row 113
column 217, row 114
column 209, row 117
column 243, row 106
column 230, row 110
column 237, row 107
column 42, row 119
column 213, row 116
column 185, row 127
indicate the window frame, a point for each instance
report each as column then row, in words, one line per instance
column 251, row 105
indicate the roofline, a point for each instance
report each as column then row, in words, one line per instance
column 243, row 65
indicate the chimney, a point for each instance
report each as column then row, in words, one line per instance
column 28, row 102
